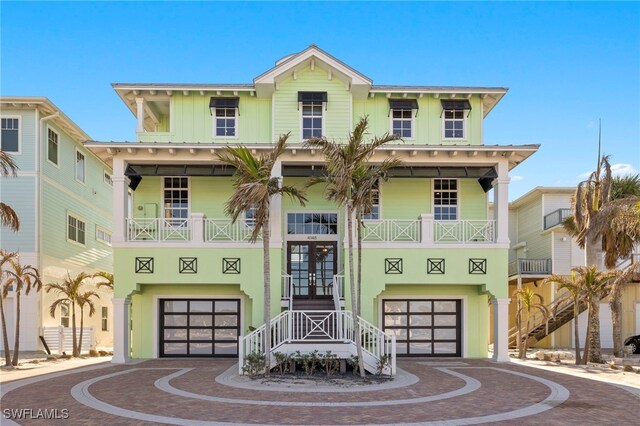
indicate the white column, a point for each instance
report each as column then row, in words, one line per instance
column 120, row 200
column 121, row 330
column 500, row 329
column 140, row 114
column 275, row 210
column 426, row 229
column 501, row 203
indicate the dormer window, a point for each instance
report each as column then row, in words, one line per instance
column 402, row 112
column 454, row 118
column 225, row 117
column 312, row 105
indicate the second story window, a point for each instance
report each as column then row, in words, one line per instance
column 454, row 119
column 374, row 214
column 225, row 117
column 176, row 200
column 402, row 112
column 80, row 169
column 76, row 229
column 312, row 106
column 250, row 216
column 105, row 318
column 52, row 146
column 445, row 199
column 10, row 137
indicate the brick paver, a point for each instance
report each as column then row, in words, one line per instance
column 589, row 402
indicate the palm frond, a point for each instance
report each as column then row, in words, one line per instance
column 9, row 217
column 8, row 166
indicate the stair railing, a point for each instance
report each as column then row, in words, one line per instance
column 338, row 281
column 336, row 326
column 558, row 306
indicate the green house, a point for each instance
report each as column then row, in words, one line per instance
column 188, row 282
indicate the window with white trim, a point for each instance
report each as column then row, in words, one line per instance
column 312, row 105
column 445, row 199
column 103, row 235
column 52, row 146
column 402, row 123
column 454, row 124
column 64, row 314
column 76, row 229
column 374, row 214
column 10, row 135
column 176, row 200
column 80, row 166
column 107, row 178
column 105, row 318
column 226, row 121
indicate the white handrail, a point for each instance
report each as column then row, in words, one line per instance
column 319, row 326
column 464, row 231
column 226, row 230
column 337, row 291
column 391, row 230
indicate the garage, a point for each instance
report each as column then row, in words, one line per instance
column 424, row 327
column 199, row 327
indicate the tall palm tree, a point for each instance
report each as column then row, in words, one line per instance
column 84, row 299
column 253, row 188
column 69, row 290
column 530, row 302
column 623, row 186
column 8, row 216
column 575, row 287
column 349, row 183
column 107, row 277
column 596, row 286
column 21, row 277
column 5, row 257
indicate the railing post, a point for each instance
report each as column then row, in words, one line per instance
column 197, row 227
column 426, row 229
column 393, row 355
column 240, row 354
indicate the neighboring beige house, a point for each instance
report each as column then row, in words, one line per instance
column 540, row 247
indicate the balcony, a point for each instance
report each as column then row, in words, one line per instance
column 556, row 217
column 530, row 267
column 197, row 229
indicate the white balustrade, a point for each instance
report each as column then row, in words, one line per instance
column 159, row 229
column 391, row 231
column 464, row 231
column 217, row 230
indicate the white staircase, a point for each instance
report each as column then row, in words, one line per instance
column 307, row 331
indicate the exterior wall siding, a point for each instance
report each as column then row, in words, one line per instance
column 20, row 194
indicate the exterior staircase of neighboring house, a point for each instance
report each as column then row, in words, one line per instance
column 561, row 311
column 624, row 263
column 321, row 325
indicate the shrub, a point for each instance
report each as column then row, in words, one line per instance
column 353, row 363
column 283, row 363
column 383, row 362
column 330, row 362
column 309, row 362
column 253, row 364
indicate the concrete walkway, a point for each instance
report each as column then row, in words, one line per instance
column 206, row 392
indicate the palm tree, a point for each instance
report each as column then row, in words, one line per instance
column 21, row 277
column 596, row 285
column 82, row 300
column 254, row 186
column 108, row 279
column 69, row 289
column 349, row 183
column 5, row 257
column 527, row 299
column 8, row 216
column 623, row 186
column 575, row 288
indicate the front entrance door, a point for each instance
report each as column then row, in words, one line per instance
column 312, row 265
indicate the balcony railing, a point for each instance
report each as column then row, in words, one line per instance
column 556, row 217
column 464, row 231
column 159, row 229
column 391, row 230
column 530, row 267
column 201, row 230
column 216, row 230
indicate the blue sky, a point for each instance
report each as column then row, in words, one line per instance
column 567, row 64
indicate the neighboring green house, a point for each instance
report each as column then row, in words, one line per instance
column 189, row 284
column 63, row 196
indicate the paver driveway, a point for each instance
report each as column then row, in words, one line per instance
column 185, row 392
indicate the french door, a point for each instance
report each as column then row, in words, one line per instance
column 312, row 265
